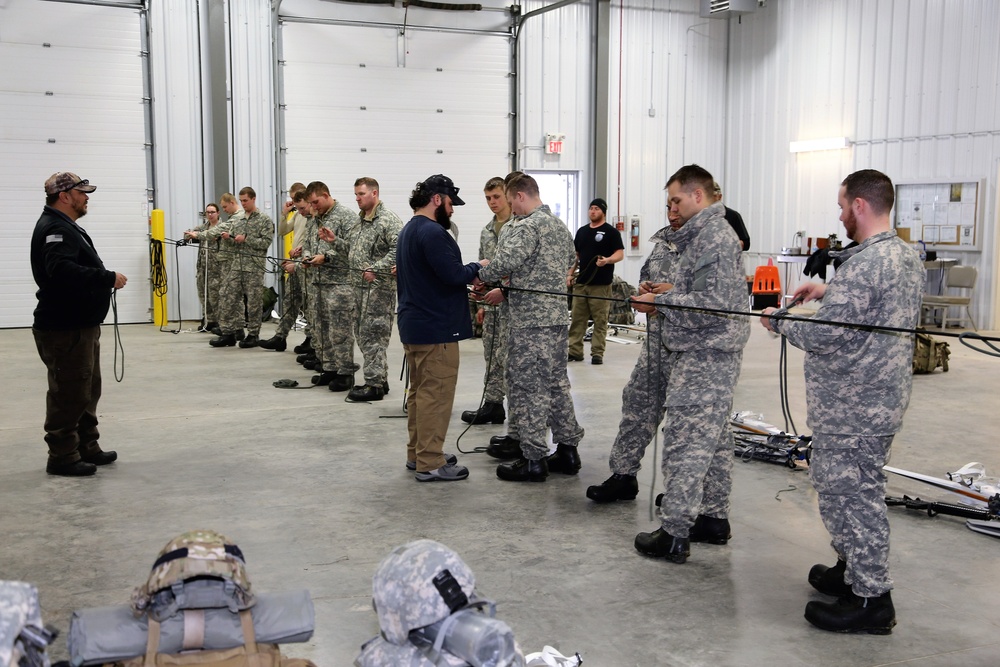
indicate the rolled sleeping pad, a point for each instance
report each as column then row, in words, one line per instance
column 105, row 634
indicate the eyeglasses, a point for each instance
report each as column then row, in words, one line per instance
column 76, row 185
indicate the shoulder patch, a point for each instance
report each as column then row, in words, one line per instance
column 53, row 238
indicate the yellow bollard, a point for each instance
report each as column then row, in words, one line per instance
column 157, row 234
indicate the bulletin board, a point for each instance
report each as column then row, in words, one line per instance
column 944, row 215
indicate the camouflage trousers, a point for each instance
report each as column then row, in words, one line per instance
column 495, row 330
column 208, row 275
column 643, row 403
column 293, row 302
column 331, row 313
column 538, row 389
column 374, row 311
column 235, row 287
column 846, row 472
column 697, row 465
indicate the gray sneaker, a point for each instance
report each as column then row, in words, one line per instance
column 446, row 473
column 449, row 459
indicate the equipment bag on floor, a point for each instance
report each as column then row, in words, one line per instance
column 929, row 354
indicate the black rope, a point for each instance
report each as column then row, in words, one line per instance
column 117, row 345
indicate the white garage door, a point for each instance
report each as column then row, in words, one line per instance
column 71, row 88
column 367, row 101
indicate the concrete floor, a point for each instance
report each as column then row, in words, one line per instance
column 314, row 491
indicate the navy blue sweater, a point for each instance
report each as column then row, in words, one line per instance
column 431, row 280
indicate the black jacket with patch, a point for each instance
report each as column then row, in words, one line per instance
column 74, row 288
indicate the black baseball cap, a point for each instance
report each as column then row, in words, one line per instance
column 442, row 185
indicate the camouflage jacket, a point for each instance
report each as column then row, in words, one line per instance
column 336, row 269
column 656, row 268
column 858, row 382
column 536, row 251
column 708, row 273
column 373, row 246
column 259, row 232
column 488, row 240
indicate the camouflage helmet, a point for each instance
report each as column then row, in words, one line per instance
column 408, row 584
column 196, row 554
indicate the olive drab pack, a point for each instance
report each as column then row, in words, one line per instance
column 929, row 354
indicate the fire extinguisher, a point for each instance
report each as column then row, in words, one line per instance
column 634, row 234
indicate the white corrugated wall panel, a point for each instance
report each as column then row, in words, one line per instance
column 396, row 107
column 667, row 76
column 913, row 84
column 554, row 95
column 71, row 99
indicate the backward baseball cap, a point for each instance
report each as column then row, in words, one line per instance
column 64, row 181
column 442, row 185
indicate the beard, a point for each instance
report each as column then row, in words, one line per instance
column 80, row 209
column 441, row 217
column 851, row 225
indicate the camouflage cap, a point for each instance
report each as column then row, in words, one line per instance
column 198, row 553
column 404, row 592
column 65, row 180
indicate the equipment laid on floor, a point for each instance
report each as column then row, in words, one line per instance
column 755, row 439
column 979, row 497
column 196, row 608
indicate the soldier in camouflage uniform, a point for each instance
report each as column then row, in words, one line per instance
column 325, row 250
column 644, row 395
column 222, row 249
column 493, row 318
column 372, row 256
column 293, row 299
column 701, row 359
column 207, row 275
column 535, row 251
column 252, row 235
column 857, row 390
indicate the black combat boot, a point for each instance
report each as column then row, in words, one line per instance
column 250, row 341
column 276, row 343
column 365, row 393
column 504, row 447
column 313, row 364
column 616, row 487
column 523, row 470
column 711, row 530
column 490, row 413
column 850, row 613
column 565, row 460
column 305, row 347
column 829, row 580
column 223, row 340
column 324, row 378
column 662, row 544
column 304, row 357
column 341, row 383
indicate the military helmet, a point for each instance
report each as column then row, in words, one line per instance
column 418, row 584
column 198, row 554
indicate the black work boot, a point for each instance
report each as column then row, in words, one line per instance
column 711, row 530
column 99, row 458
column 324, row 378
column 250, row 341
column 74, row 469
column 829, row 580
column 616, row 487
column 341, row 382
column 304, row 347
column 276, row 343
column 490, row 413
column 223, row 340
column 385, row 387
column 662, row 544
column 565, row 460
column 850, row 613
column 504, row 447
column 304, row 357
column 365, row 393
column 523, row 470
